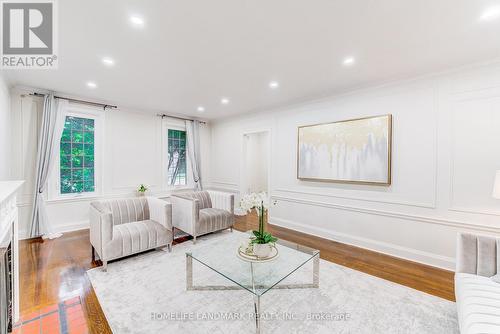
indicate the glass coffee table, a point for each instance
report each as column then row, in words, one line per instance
column 254, row 277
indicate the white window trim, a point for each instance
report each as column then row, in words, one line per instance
column 54, row 189
column 174, row 124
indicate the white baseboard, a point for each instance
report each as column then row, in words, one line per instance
column 415, row 255
column 75, row 226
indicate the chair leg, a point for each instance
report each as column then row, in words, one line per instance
column 231, row 229
column 93, row 254
column 194, row 239
column 105, row 266
column 169, row 247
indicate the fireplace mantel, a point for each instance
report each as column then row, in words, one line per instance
column 9, row 222
column 8, row 204
column 8, row 188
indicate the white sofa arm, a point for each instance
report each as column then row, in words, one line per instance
column 101, row 225
column 160, row 211
column 185, row 213
column 222, row 200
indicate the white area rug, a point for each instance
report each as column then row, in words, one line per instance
column 147, row 294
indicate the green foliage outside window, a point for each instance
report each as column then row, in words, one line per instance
column 77, row 156
column 177, row 157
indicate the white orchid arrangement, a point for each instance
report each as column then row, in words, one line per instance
column 254, row 201
column 259, row 202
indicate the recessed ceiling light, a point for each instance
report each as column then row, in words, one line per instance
column 200, row 109
column 274, row 84
column 224, row 100
column 91, row 84
column 348, row 61
column 108, row 61
column 137, row 21
column 490, row 14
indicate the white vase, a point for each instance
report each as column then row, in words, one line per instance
column 262, row 250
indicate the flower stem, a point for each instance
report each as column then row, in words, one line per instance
column 261, row 219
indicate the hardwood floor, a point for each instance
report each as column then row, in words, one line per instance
column 53, row 271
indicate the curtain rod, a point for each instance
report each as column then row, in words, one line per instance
column 182, row 118
column 80, row 101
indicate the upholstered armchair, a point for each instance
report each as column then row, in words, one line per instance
column 122, row 227
column 202, row 212
column 477, row 283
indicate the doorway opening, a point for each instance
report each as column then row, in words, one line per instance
column 256, row 162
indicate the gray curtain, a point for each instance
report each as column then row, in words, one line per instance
column 193, row 151
column 48, row 141
column 174, row 158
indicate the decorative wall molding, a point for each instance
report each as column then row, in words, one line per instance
column 25, row 199
column 225, row 183
column 233, row 191
column 163, row 194
column 25, row 114
column 225, row 186
column 425, row 219
column 374, row 245
column 115, row 127
column 477, row 212
column 357, row 198
column 465, row 91
column 432, row 204
column 134, row 187
column 452, row 145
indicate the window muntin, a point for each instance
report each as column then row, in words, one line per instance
column 77, row 156
column 176, row 155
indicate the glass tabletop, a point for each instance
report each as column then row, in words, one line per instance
column 256, row 277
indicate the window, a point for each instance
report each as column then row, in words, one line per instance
column 77, row 168
column 175, row 159
column 76, row 160
column 177, row 171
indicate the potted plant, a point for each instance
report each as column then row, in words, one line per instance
column 142, row 190
column 261, row 241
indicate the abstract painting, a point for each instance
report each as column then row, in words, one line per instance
column 351, row 151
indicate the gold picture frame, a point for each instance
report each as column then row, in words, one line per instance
column 382, row 122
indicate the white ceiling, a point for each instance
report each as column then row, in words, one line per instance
column 192, row 53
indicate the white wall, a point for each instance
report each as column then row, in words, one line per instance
column 5, row 142
column 446, row 148
column 133, row 146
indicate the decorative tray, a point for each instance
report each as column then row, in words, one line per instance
column 254, row 258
